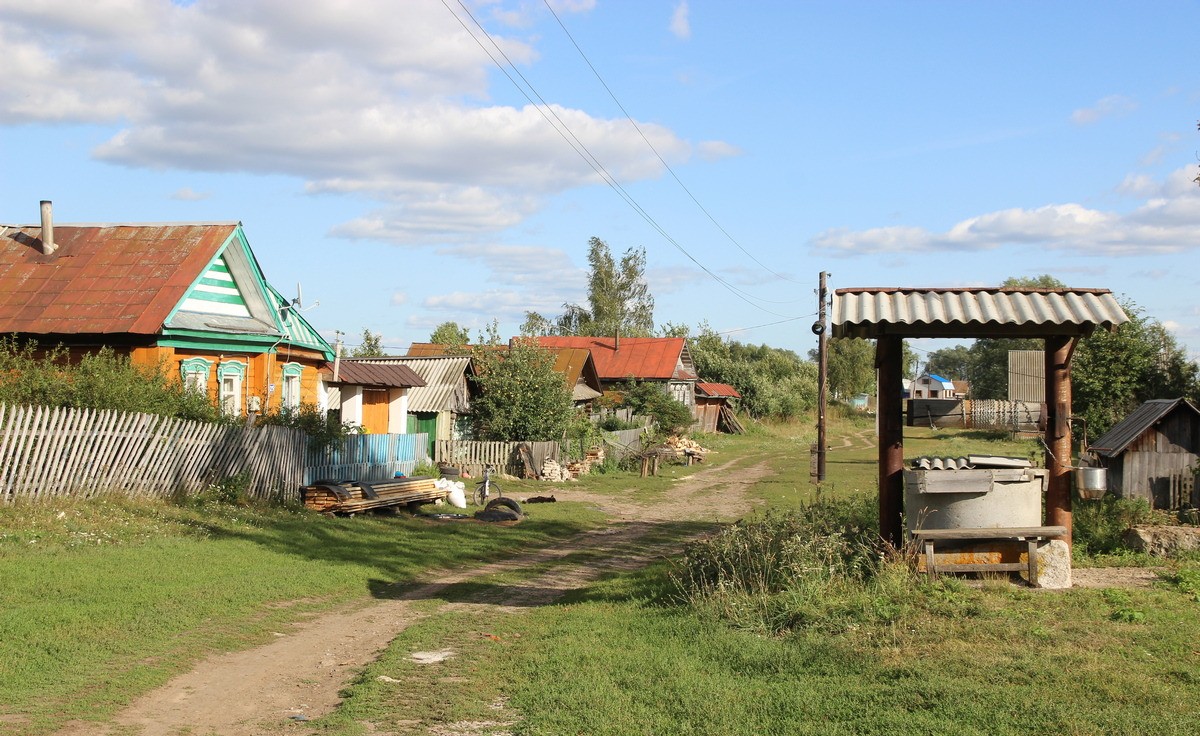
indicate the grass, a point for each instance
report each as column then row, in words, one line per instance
column 104, row 600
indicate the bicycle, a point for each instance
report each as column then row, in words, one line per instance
column 486, row 488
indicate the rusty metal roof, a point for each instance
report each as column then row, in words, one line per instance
column 706, row 388
column 445, row 388
column 357, row 373
column 660, row 358
column 102, row 278
column 973, row 312
column 1124, row 432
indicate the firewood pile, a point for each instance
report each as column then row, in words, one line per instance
column 352, row 496
column 553, row 471
column 683, row 446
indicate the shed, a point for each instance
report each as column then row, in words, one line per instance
column 375, row 396
column 1154, row 453
column 711, row 398
column 440, row 407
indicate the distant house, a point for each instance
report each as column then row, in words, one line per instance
column 662, row 360
column 576, row 366
column 929, row 386
column 373, row 396
column 711, row 398
column 1154, row 453
column 441, row 408
column 190, row 297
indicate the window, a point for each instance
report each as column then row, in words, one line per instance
column 289, row 397
column 230, row 375
column 194, row 372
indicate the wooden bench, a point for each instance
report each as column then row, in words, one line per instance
column 1030, row 534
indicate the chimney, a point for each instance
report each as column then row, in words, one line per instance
column 48, row 246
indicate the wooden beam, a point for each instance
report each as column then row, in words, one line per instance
column 889, row 351
column 1058, row 433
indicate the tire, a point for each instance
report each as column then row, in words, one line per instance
column 479, row 497
column 508, row 503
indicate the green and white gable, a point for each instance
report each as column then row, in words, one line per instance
column 232, row 304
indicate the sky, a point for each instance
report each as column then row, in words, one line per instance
column 411, row 162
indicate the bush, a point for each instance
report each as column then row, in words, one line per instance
column 650, row 399
column 100, row 380
column 324, row 430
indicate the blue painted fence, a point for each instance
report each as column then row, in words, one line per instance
column 367, row 457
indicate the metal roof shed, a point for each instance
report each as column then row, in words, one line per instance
column 888, row 315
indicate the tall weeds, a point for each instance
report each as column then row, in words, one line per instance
column 823, row 567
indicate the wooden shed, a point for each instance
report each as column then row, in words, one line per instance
column 1154, row 453
column 711, row 400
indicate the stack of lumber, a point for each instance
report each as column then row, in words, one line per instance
column 352, row 496
column 594, row 456
column 727, row 419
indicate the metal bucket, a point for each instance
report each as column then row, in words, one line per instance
column 1091, row 483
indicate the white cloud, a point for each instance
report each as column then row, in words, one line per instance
column 1165, row 223
column 399, row 298
column 1107, row 107
column 681, row 27
column 387, row 100
column 187, row 194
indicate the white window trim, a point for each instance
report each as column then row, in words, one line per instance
column 291, row 373
column 194, row 372
column 231, row 401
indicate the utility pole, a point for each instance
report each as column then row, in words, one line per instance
column 819, row 327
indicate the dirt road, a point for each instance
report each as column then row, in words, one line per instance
column 271, row 688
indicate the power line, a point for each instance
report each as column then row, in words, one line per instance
column 582, row 151
column 661, row 160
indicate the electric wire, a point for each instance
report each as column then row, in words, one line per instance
column 661, row 160
column 582, row 151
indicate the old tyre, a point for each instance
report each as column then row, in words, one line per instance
column 510, row 503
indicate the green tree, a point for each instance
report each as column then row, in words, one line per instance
column 619, row 298
column 535, row 325
column 1112, row 373
column 451, row 335
column 652, row 399
column 371, row 346
column 952, row 362
column 521, row 396
column 850, row 367
column 773, row 382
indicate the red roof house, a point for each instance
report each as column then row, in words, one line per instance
column 663, row 360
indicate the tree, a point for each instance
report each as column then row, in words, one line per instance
column 619, row 300
column 773, row 382
column 535, row 325
column 850, row 366
column 521, row 396
column 988, row 373
column 371, row 347
column 1113, row 373
column 953, row 363
column 451, row 335
column 651, row 399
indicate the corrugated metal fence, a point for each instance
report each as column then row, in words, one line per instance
column 367, row 457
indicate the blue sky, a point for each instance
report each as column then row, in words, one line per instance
column 378, row 156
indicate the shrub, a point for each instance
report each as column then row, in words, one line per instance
column 324, row 430
column 651, row 399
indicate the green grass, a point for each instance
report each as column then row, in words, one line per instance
column 104, row 600
column 100, row 601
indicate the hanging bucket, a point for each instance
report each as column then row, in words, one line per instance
column 1091, row 483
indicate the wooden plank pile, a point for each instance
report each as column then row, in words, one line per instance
column 352, row 496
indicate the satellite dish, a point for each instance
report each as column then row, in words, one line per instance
column 297, row 303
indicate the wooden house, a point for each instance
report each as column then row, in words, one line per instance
column 711, row 399
column 190, row 298
column 575, row 365
column 1154, row 453
column 373, row 396
column 662, row 360
column 441, row 407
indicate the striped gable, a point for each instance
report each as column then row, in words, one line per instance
column 216, row 292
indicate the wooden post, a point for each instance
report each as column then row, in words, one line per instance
column 1058, row 433
column 889, row 351
column 822, row 374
